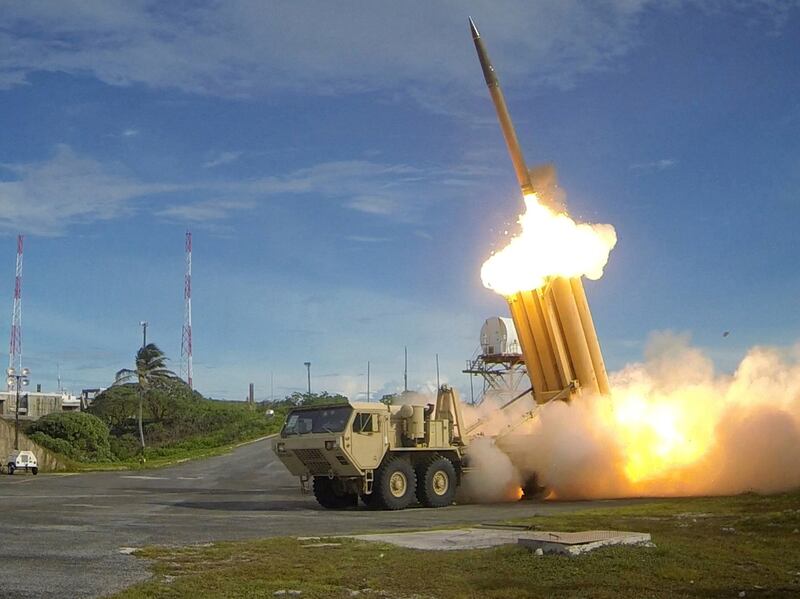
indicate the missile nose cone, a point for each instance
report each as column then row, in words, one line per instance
column 483, row 57
column 473, row 29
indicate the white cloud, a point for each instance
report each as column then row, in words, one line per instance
column 655, row 165
column 45, row 198
column 252, row 48
column 222, row 158
column 366, row 239
column 373, row 205
column 210, row 210
column 130, row 133
column 49, row 196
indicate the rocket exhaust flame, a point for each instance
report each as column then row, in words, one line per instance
column 550, row 244
column 705, row 434
column 671, row 427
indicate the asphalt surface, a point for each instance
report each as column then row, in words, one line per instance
column 70, row 535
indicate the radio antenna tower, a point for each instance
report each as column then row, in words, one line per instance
column 15, row 347
column 186, row 336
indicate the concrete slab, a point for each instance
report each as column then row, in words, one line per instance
column 567, row 543
column 447, row 540
column 577, row 543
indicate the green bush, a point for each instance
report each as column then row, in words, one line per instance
column 117, row 406
column 87, row 435
column 57, row 445
column 125, row 446
column 176, row 421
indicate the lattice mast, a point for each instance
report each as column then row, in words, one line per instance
column 186, row 336
column 15, row 346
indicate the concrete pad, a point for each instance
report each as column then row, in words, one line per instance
column 568, row 543
column 447, row 540
column 577, row 543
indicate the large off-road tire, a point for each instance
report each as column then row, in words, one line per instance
column 394, row 485
column 35, row 470
column 329, row 497
column 436, row 482
column 11, row 468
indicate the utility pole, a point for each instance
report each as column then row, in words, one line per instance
column 405, row 369
column 143, row 324
column 186, row 333
column 308, row 368
column 471, row 391
column 15, row 346
column 367, row 380
column 437, row 373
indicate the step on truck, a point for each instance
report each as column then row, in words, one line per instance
column 389, row 456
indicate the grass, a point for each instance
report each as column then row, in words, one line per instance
column 705, row 547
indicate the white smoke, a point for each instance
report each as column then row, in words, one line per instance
column 671, row 427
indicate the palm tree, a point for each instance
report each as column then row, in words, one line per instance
column 150, row 371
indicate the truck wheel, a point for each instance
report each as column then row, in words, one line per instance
column 329, row 497
column 11, row 468
column 395, row 482
column 35, row 470
column 436, row 482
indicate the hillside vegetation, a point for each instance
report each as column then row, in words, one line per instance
column 151, row 416
column 178, row 423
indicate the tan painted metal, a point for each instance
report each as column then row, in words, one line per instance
column 558, row 340
column 591, row 336
column 574, row 335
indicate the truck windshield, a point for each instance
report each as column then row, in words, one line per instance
column 322, row 420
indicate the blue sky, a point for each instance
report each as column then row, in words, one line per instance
column 343, row 175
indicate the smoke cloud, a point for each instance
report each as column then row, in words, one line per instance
column 672, row 427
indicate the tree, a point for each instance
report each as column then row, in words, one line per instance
column 150, row 372
column 313, row 399
column 167, row 400
column 116, row 406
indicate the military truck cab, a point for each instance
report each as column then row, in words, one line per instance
column 389, row 456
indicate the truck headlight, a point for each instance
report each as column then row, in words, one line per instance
column 281, row 447
column 329, row 445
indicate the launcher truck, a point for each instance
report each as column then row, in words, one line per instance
column 388, row 455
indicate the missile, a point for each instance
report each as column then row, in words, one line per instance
column 554, row 324
column 493, row 83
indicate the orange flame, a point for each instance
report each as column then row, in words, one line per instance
column 660, row 434
column 549, row 244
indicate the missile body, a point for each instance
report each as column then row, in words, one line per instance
column 554, row 324
column 489, row 74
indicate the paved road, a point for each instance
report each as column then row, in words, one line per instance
column 66, row 535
